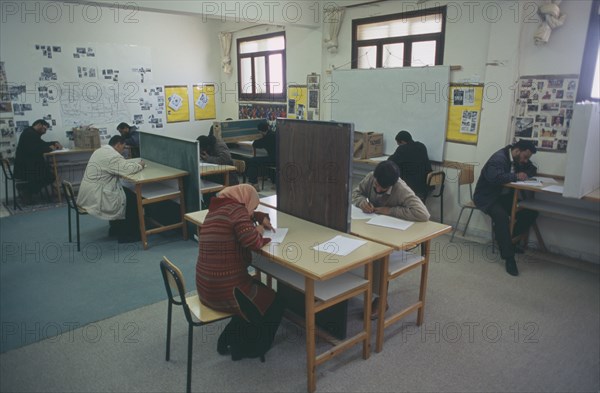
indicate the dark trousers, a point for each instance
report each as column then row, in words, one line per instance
column 130, row 226
column 500, row 213
column 253, row 166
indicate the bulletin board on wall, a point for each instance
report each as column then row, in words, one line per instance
column 544, row 110
column 204, row 102
column 178, row 109
column 464, row 113
column 297, row 102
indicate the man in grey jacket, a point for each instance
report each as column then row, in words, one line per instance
column 383, row 192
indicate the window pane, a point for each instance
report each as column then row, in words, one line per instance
column 272, row 43
column 260, row 75
column 425, row 24
column 276, row 73
column 596, row 84
column 423, row 54
column 367, row 57
column 393, row 55
column 246, row 75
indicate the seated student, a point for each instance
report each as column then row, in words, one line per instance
column 231, row 230
column 413, row 161
column 382, row 192
column 508, row 164
column 30, row 164
column 101, row 194
column 132, row 138
column 267, row 142
column 214, row 150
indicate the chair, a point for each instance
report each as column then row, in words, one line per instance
column 175, row 287
column 240, row 168
column 8, row 175
column 466, row 176
column 436, row 180
column 72, row 205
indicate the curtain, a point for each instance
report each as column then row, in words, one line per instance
column 225, row 39
column 333, row 19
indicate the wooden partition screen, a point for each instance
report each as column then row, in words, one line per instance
column 314, row 171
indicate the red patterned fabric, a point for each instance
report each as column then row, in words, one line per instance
column 227, row 237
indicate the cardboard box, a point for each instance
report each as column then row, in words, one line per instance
column 86, row 137
column 368, row 144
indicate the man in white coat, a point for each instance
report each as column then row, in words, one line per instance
column 102, row 195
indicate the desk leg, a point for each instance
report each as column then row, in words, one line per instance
column 383, row 289
column 182, row 208
column 309, row 300
column 367, row 308
column 513, row 211
column 140, row 206
column 423, row 287
column 57, row 185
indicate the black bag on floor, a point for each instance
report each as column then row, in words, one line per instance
column 250, row 338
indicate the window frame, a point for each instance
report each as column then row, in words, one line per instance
column 407, row 40
column 590, row 55
column 266, row 96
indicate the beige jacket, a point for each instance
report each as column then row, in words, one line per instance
column 400, row 198
column 101, row 193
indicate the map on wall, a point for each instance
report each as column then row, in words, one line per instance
column 544, row 110
column 98, row 105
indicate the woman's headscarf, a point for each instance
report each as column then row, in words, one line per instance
column 242, row 193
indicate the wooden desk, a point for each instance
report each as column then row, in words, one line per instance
column 575, row 212
column 420, row 233
column 318, row 270
column 157, row 183
column 68, row 165
column 207, row 186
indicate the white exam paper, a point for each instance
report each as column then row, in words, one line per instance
column 390, row 222
column 276, row 237
column 531, row 183
column 545, row 180
column 340, row 245
column 358, row 214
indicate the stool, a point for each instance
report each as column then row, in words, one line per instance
column 8, row 175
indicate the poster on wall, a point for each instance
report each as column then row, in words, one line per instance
column 297, row 102
column 204, row 102
column 544, row 110
column 269, row 112
column 464, row 113
column 178, row 109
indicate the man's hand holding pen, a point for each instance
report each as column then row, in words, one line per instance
column 367, row 206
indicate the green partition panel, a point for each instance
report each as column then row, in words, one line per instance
column 237, row 130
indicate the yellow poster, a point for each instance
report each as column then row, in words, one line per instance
column 177, row 102
column 464, row 113
column 204, row 102
column 297, row 102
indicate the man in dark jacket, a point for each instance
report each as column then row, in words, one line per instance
column 30, row 164
column 507, row 165
column 413, row 161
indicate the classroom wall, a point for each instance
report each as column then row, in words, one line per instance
column 184, row 50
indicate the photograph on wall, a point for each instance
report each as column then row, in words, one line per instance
column 204, row 102
column 544, row 110
column 464, row 113
column 178, row 109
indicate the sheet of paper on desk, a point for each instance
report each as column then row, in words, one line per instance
column 554, row 188
column 545, row 180
column 340, row 245
column 276, row 237
column 531, row 183
column 208, row 165
column 63, row 149
column 358, row 214
column 380, row 158
column 390, row 222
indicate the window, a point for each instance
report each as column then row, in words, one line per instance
column 409, row 39
column 589, row 81
column 261, row 68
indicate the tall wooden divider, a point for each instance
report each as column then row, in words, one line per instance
column 314, row 171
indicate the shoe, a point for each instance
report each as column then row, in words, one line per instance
column 511, row 267
column 256, row 186
column 375, row 308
